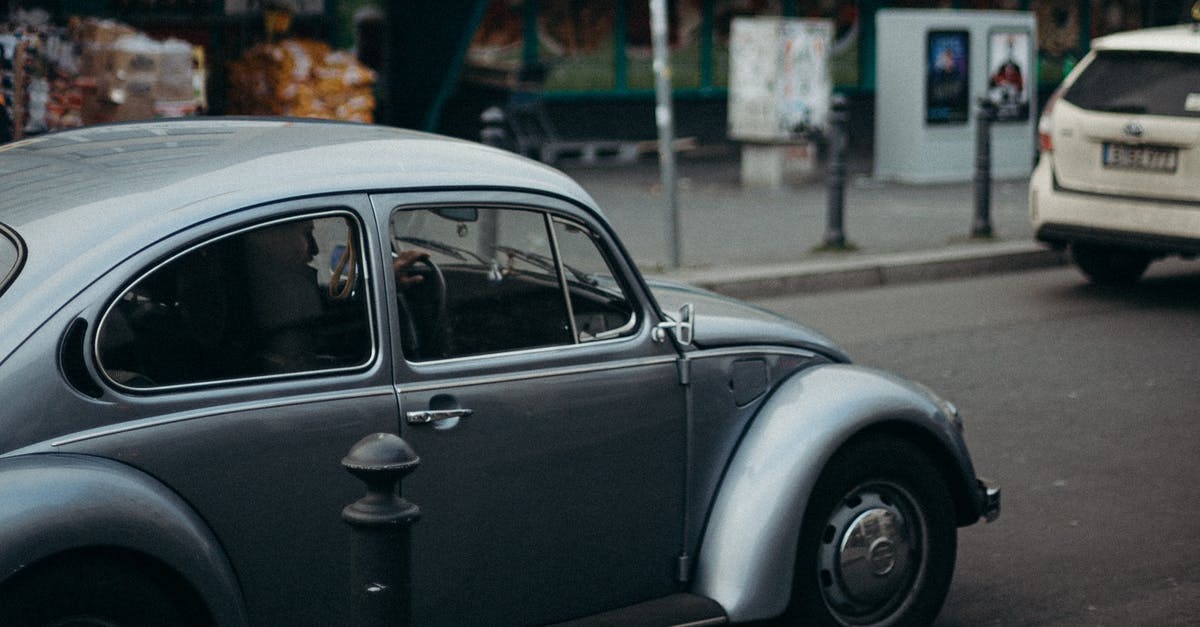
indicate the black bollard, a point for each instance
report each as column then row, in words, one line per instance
column 982, row 225
column 381, row 544
column 493, row 133
column 835, row 236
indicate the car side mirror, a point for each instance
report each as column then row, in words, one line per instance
column 681, row 329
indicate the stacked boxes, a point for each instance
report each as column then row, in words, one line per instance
column 301, row 78
column 134, row 77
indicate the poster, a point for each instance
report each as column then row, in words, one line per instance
column 779, row 80
column 1008, row 74
column 947, row 77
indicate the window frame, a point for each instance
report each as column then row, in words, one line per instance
column 548, row 217
column 336, row 209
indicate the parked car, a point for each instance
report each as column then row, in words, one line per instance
column 201, row 317
column 1120, row 155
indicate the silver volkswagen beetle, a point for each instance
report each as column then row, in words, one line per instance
column 198, row 319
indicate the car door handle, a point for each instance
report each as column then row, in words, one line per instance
column 436, row 415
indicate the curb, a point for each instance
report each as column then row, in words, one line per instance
column 857, row 271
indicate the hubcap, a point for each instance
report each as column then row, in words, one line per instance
column 871, row 553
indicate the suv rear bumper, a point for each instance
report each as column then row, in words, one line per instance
column 1062, row 216
column 1060, row 234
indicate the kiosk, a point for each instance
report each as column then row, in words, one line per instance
column 933, row 68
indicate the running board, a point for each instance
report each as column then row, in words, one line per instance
column 677, row 610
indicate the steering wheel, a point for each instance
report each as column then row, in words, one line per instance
column 424, row 321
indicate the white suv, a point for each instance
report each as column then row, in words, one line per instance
column 1118, row 180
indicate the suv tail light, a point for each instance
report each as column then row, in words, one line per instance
column 1045, row 127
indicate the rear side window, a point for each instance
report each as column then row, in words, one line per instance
column 279, row 299
column 1145, row 83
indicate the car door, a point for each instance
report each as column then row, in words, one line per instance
column 549, row 422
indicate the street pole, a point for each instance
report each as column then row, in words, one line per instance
column 381, row 543
column 981, row 226
column 835, row 235
column 664, row 117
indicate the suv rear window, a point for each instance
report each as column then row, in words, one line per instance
column 1147, row 83
column 10, row 257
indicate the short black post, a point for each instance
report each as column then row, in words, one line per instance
column 493, row 133
column 982, row 224
column 381, row 546
column 839, row 117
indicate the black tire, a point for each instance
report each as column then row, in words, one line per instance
column 1110, row 266
column 878, row 542
column 95, row 591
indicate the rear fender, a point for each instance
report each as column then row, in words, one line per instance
column 748, row 552
column 56, row 503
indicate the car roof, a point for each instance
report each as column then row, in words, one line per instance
column 1181, row 38
column 81, row 200
column 185, row 161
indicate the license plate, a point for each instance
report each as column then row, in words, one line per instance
column 1151, row 158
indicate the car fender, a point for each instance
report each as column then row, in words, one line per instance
column 747, row 556
column 55, row 503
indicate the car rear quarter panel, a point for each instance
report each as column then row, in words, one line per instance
column 749, row 546
column 55, row 503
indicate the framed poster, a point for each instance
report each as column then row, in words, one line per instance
column 947, row 77
column 1008, row 73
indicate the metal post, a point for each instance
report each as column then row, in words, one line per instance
column 493, row 133
column 835, row 236
column 982, row 224
column 664, row 117
column 381, row 547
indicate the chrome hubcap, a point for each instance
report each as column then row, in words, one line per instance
column 871, row 552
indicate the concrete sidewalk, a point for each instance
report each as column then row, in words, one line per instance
column 748, row 242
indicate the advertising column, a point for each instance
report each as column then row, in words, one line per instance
column 779, row 91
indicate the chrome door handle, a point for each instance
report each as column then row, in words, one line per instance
column 436, row 415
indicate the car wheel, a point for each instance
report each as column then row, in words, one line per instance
column 878, row 542
column 94, row 591
column 1110, row 266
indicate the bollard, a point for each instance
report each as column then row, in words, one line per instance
column 493, row 133
column 381, row 544
column 835, row 236
column 982, row 224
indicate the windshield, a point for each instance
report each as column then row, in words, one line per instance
column 10, row 256
column 1147, row 83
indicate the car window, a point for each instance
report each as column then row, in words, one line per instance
column 472, row 281
column 1150, row 83
column 599, row 307
column 10, row 257
column 282, row 298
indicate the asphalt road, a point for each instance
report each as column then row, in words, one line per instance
column 1083, row 403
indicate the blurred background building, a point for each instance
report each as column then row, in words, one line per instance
column 436, row 64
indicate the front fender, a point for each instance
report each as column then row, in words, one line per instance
column 749, row 547
column 55, row 503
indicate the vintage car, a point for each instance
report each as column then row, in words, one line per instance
column 201, row 318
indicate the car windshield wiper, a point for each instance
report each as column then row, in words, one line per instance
column 547, row 264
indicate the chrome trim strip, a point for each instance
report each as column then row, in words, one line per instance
column 707, row 622
column 752, row 350
column 531, row 375
column 208, row 412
